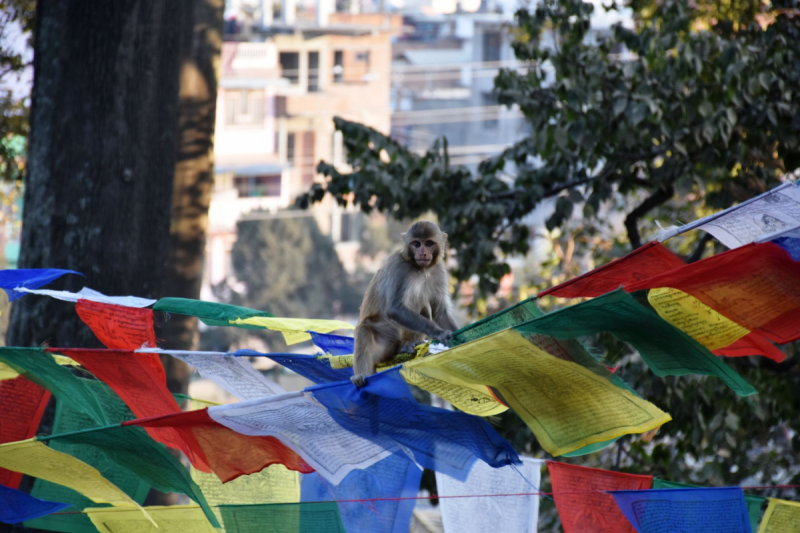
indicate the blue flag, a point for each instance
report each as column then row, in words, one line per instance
column 681, row 510
column 385, row 482
column 444, row 441
column 308, row 366
column 16, row 506
column 333, row 344
column 32, row 278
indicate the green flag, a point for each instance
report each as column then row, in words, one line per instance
column 667, row 350
column 317, row 517
column 516, row 314
column 40, row 367
column 211, row 313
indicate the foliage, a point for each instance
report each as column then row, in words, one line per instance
column 677, row 113
column 16, row 22
column 288, row 267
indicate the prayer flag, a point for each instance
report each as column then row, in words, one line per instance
column 582, row 499
column 16, row 506
column 274, row 484
column 34, row 459
column 333, row 344
column 781, row 516
column 294, row 329
column 170, row 519
column 88, row 294
column 755, row 286
column 67, row 419
column 788, row 239
column 118, row 327
column 708, row 327
column 232, row 374
column 667, row 350
column 32, row 278
column 753, row 502
column 680, row 510
column 316, row 369
column 387, row 482
column 142, row 389
column 645, row 262
column 229, row 453
column 210, row 313
column 742, row 224
column 320, row 517
column 752, row 344
column 6, row 372
column 566, row 405
column 516, row 314
column 41, row 368
column 506, row 514
column 23, row 405
column 308, row 429
column 441, row 440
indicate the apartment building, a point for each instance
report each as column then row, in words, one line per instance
column 279, row 90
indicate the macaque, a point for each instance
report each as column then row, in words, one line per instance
column 407, row 301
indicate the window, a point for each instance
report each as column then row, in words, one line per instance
column 363, row 57
column 290, row 148
column 230, row 108
column 258, row 186
column 491, row 46
column 338, row 66
column 490, row 116
column 313, row 72
column 244, row 107
column 290, row 66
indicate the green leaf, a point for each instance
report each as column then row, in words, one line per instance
column 619, row 106
column 636, row 113
column 705, row 109
column 772, row 116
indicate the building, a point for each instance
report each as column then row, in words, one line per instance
column 443, row 74
column 279, row 90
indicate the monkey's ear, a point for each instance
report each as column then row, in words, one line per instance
column 445, row 236
column 403, row 236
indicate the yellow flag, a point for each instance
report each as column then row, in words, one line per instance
column 294, row 329
column 6, row 372
column 35, row 459
column 781, row 516
column 566, row 405
column 172, row 519
column 275, row 484
column 695, row 318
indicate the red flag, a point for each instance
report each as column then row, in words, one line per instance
column 23, row 404
column 122, row 328
column 645, row 262
column 756, row 286
column 229, row 453
column 752, row 344
column 582, row 506
column 142, row 389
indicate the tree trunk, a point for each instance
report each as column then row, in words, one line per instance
column 194, row 180
column 102, row 154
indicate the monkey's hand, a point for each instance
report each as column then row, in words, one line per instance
column 359, row 380
column 445, row 336
column 410, row 347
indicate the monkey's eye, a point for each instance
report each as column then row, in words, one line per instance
column 429, row 244
column 415, row 244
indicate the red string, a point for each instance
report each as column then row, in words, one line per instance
column 439, row 497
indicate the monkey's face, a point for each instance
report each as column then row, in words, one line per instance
column 424, row 252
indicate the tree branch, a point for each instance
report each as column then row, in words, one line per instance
column 698, row 252
column 656, row 199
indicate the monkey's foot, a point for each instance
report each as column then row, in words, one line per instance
column 359, row 380
column 410, row 347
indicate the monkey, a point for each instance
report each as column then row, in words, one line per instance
column 407, row 301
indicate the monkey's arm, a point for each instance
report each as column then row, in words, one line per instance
column 443, row 317
column 407, row 318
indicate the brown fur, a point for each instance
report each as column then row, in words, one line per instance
column 407, row 301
